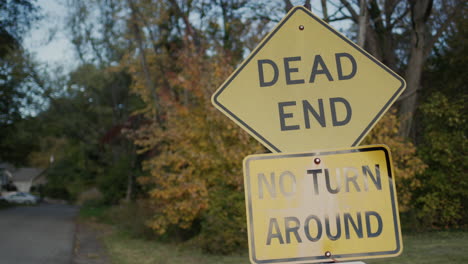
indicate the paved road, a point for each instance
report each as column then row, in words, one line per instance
column 40, row 234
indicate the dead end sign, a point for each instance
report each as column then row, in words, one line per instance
column 322, row 206
column 306, row 86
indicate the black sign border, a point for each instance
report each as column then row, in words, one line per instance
column 252, row 55
column 322, row 257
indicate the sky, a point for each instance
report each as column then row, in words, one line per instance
column 50, row 45
column 47, row 39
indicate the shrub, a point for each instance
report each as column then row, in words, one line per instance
column 405, row 161
column 195, row 170
column 112, row 182
column 442, row 198
column 224, row 226
column 131, row 218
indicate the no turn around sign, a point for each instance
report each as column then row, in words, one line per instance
column 322, row 206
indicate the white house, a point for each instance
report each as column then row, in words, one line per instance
column 23, row 178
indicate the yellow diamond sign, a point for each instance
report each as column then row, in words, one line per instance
column 306, row 86
column 326, row 206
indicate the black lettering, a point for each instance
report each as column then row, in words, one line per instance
column 288, row 70
column 307, row 228
column 314, row 173
column 292, row 229
column 339, row 67
column 261, row 75
column 357, row 228
column 282, row 185
column 277, row 232
column 338, row 228
column 368, row 224
column 309, row 109
column 349, row 112
column 338, row 184
column 283, row 116
column 376, row 180
column 318, row 61
column 271, row 187
column 352, row 178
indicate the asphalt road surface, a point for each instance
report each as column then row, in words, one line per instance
column 41, row 234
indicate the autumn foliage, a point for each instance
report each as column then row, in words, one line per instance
column 177, row 54
column 134, row 119
column 405, row 162
column 195, row 155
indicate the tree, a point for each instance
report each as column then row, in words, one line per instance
column 442, row 133
column 99, row 34
column 192, row 153
column 172, row 54
column 16, row 16
column 17, row 88
column 391, row 26
column 89, row 120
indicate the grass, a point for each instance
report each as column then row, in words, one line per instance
column 94, row 212
column 431, row 248
column 424, row 248
column 125, row 247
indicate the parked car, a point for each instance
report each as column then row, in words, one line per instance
column 22, row 198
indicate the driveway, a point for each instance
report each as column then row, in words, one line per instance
column 40, row 234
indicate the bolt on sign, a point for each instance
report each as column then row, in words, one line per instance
column 306, row 86
column 334, row 205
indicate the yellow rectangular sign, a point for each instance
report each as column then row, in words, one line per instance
column 322, row 206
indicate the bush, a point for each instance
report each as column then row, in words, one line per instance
column 406, row 163
column 113, row 181
column 194, row 161
column 56, row 192
column 442, row 199
column 224, row 226
column 90, row 197
column 131, row 218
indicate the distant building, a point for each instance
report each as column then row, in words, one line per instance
column 22, row 178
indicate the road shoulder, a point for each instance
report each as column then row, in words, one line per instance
column 88, row 245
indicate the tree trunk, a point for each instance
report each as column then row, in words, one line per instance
column 413, row 80
column 144, row 64
column 420, row 11
column 362, row 23
column 131, row 173
column 128, row 195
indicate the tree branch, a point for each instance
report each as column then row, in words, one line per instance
column 325, row 11
column 288, row 5
column 339, row 18
column 351, row 10
column 450, row 17
column 398, row 19
column 190, row 30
